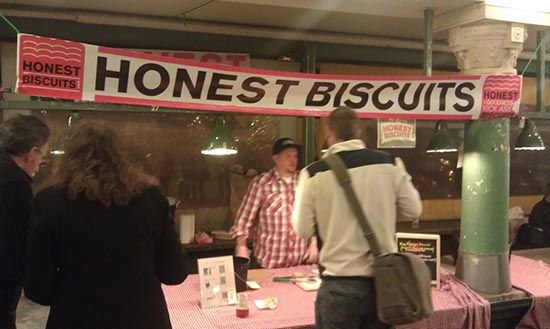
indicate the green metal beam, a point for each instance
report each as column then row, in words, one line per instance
column 541, row 69
column 310, row 66
column 85, row 106
column 536, row 115
column 428, row 40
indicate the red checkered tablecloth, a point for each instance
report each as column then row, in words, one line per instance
column 456, row 307
column 295, row 309
column 534, row 277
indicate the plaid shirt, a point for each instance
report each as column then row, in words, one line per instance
column 267, row 207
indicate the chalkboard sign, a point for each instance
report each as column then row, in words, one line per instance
column 425, row 246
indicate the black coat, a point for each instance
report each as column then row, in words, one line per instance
column 15, row 205
column 102, row 268
column 540, row 217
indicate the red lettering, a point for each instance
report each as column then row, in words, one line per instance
column 182, row 54
column 211, row 57
column 236, row 59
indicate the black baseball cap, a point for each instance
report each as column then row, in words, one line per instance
column 283, row 143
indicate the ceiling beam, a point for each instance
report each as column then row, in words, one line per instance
column 221, row 30
column 459, row 17
column 480, row 12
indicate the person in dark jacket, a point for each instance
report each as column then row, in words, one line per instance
column 540, row 215
column 23, row 145
column 101, row 241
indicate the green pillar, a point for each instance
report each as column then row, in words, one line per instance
column 310, row 64
column 483, row 260
column 428, row 40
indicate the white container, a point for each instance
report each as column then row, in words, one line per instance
column 187, row 228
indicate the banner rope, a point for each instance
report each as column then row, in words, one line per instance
column 10, row 23
column 534, row 53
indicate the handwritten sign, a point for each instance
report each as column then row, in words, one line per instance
column 425, row 246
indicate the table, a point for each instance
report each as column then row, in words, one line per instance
column 530, row 271
column 456, row 307
column 295, row 309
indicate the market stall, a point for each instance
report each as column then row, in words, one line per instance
column 108, row 75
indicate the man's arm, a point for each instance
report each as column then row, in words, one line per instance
column 303, row 215
column 246, row 217
column 241, row 249
column 409, row 203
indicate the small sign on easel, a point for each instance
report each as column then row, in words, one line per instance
column 217, row 281
column 425, row 246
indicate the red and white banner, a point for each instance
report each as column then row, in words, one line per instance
column 72, row 70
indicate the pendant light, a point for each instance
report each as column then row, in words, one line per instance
column 529, row 139
column 442, row 140
column 59, row 145
column 219, row 142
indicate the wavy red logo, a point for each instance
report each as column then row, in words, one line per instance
column 50, row 67
column 500, row 94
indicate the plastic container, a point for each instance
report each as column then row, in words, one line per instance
column 242, row 306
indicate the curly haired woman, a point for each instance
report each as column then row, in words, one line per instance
column 101, row 242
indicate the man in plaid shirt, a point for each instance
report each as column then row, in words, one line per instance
column 267, row 208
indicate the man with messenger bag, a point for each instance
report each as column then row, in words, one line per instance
column 350, row 200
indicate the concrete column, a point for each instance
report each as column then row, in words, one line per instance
column 483, row 261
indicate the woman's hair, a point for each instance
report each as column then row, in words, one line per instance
column 93, row 165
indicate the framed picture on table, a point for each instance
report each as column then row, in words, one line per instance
column 425, row 246
column 217, row 281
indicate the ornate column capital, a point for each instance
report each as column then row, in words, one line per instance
column 487, row 48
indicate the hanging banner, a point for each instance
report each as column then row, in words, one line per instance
column 396, row 133
column 72, row 70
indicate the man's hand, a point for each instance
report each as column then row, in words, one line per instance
column 312, row 252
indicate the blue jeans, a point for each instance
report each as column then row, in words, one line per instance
column 347, row 303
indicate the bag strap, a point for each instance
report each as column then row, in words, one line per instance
column 342, row 176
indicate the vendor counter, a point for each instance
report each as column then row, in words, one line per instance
column 456, row 305
column 447, row 229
